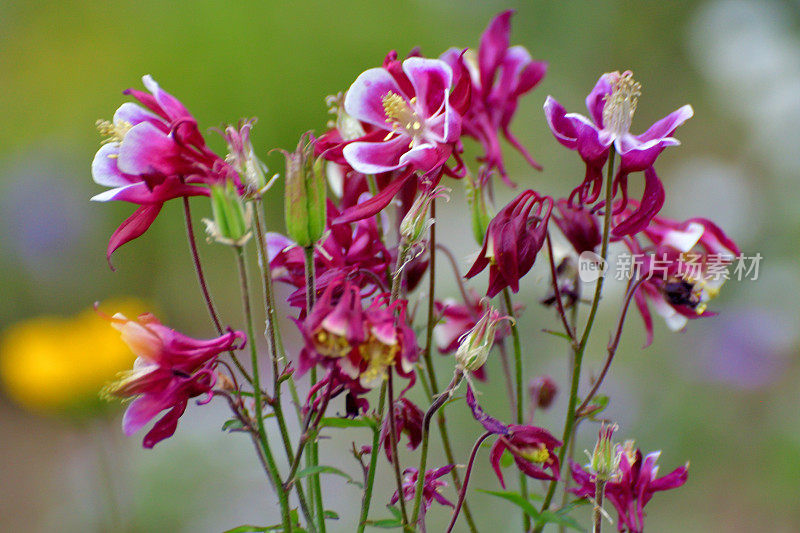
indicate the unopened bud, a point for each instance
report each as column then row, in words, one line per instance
column 305, row 207
column 475, row 345
column 543, row 391
column 606, row 455
column 477, row 206
column 243, row 158
column 232, row 220
column 416, row 222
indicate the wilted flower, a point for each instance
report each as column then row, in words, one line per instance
column 633, row 486
column 499, row 76
column 430, row 487
column 170, row 368
column 407, row 419
column 579, row 226
column 514, row 237
column 153, row 155
column 531, row 447
column 611, row 106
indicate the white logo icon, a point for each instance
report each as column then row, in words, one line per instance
column 591, row 266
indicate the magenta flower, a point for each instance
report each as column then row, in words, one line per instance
column 430, row 487
column 684, row 267
column 413, row 125
column 407, row 419
column 499, row 77
column 153, row 154
column 170, row 368
column 579, row 226
column 632, row 488
column 513, row 238
column 531, row 447
column 611, row 105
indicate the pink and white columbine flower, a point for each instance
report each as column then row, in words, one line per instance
column 683, row 266
column 633, row 486
column 411, row 108
column 170, row 368
column 153, row 154
column 611, row 106
column 499, row 77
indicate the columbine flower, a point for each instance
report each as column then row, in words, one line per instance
column 430, row 487
column 410, row 109
column 170, row 369
column 514, row 237
column 407, row 419
column 153, row 155
column 579, row 226
column 633, row 487
column 611, row 106
column 498, row 78
column 531, row 447
column 684, row 268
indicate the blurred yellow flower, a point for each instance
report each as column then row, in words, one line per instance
column 59, row 364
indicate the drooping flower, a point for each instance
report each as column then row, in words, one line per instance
column 513, row 238
column 153, row 154
column 578, row 225
column 633, row 487
column 430, row 487
column 684, row 266
column 407, row 419
column 531, row 447
column 413, row 125
column 170, row 368
column 499, row 76
column 611, row 106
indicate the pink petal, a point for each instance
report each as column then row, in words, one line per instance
column 141, row 411
column 372, row 206
column 652, row 200
column 104, row 167
column 364, row 99
column 133, row 114
column 563, row 129
column 376, row 157
column 667, row 125
column 148, row 150
column 165, row 427
column 596, row 99
column 171, row 105
column 431, row 79
column 133, row 227
column 493, row 46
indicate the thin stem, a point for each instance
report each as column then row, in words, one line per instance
column 518, row 373
column 373, row 462
column 557, row 289
column 578, row 360
column 201, row 280
column 597, row 511
column 512, row 398
column 431, row 296
column 462, row 493
column 426, row 427
column 457, row 274
column 257, row 399
column 395, row 456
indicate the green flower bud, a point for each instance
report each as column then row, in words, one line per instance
column 604, row 460
column 416, row 222
column 305, row 204
column 475, row 345
column 232, row 220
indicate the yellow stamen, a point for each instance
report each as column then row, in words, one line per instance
column 539, row 455
column 380, row 356
column 620, row 105
column 331, row 345
column 400, row 114
column 113, row 132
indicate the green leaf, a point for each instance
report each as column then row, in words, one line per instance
column 517, row 500
column 249, row 529
column 557, row 334
column 331, row 515
column 347, row 423
column 323, row 469
column 388, row 523
column 232, row 424
column 395, row 512
column 556, row 517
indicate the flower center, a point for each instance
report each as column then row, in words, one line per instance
column 330, row 345
column 400, row 116
column 537, row 454
column 113, row 132
column 621, row 103
column 378, row 355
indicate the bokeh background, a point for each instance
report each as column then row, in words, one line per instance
column 723, row 395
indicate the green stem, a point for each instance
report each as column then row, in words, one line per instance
column 373, row 462
column 579, row 352
column 518, row 377
column 257, row 399
column 597, row 511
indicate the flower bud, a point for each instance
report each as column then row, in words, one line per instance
column 476, row 344
column 604, row 460
column 242, row 157
column 416, row 222
column 542, row 390
column 305, row 208
column 477, row 206
column 232, row 220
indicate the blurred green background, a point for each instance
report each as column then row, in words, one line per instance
column 723, row 395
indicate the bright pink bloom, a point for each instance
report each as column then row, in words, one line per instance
column 407, row 419
column 684, row 266
column 611, row 105
column 636, row 482
column 170, row 368
column 532, row 447
column 499, row 77
column 430, row 487
column 513, row 239
column 413, row 125
column 153, row 155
